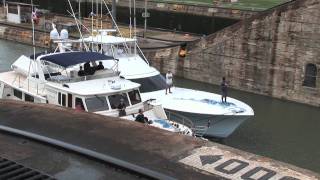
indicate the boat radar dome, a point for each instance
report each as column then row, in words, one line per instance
column 64, row 34
column 54, row 34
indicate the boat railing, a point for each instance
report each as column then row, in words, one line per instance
column 32, row 85
column 199, row 131
column 71, row 79
column 173, row 117
column 180, row 119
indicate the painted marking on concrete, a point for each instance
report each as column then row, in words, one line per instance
column 233, row 165
column 260, row 173
column 209, row 159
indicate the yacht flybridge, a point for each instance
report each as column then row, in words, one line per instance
column 55, row 79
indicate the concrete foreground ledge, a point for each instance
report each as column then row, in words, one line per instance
column 176, row 155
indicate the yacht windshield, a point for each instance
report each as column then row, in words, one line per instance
column 116, row 98
column 134, row 97
column 98, row 103
column 153, row 83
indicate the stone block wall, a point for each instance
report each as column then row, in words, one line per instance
column 24, row 35
column 265, row 54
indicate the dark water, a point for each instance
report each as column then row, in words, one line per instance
column 178, row 21
column 158, row 19
column 282, row 130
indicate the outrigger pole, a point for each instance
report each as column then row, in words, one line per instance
column 33, row 44
column 114, row 12
column 79, row 29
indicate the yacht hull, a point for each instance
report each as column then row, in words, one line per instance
column 210, row 117
column 216, row 126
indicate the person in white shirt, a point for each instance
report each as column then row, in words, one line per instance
column 169, row 81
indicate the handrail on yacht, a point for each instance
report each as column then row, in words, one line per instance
column 144, row 57
column 180, row 119
column 64, row 79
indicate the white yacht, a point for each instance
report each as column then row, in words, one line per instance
column 210, row 116
column 53, row 78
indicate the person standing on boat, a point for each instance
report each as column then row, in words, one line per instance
column 169, row 81
column 122, row 108
column 81, row 72
column 224, row 90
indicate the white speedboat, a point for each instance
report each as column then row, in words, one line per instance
column 210, row 117
column 53, row 78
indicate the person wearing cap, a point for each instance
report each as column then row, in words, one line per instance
column 122, row 108
column 141, row 118
column 169, row 81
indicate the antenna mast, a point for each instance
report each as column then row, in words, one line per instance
column 135, row 26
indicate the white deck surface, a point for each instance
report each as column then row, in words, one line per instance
column 97, row 86
column 199, row 102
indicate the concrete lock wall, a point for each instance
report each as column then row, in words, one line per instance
column 265, row 54
column 194, row 9
column 24, row 35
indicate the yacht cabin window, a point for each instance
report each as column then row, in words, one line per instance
column 28, row 98
column 62, row 99
column 70, row 100
column 115, row 100
column 134, row 97
column 78, row 103
column 17, row 93
column 97, row 103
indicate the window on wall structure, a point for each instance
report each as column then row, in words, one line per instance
column 310, row 76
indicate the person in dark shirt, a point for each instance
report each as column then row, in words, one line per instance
column 122, row 108
column 88, row 69
column 141, row 118
column 224, row 90
column 100, row 66
column 81, row 72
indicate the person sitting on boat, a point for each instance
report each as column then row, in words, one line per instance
column 79, row 107
column 169, row 81
column 141, row 118
column 122, row 108
column 81, row 72
column 88, row 69
column 100, row 66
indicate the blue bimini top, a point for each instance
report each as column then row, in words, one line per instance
column 72, row 58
